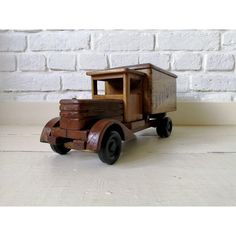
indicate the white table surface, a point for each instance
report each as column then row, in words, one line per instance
column 196, row 166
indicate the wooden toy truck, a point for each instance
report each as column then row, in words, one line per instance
column 134, row 98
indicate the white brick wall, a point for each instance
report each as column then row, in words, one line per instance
column 189, row 40
column 220, row 62
column 162, row 60
column 50, row 65
column 7, row 62
column 59, row 41
column 123, row 41
column 187, row 61
column 12, row 42
column 75, row 81
column 62, row 62
column 123, row 59
column 31, row 62
column 91, row 61
column 29, row 82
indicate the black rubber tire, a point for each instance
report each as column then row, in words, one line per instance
column 59, row 148
column 110, row 148
column 164, row 127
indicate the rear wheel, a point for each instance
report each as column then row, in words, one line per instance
column 110, row 148
column 164, row 127
column 59, row 148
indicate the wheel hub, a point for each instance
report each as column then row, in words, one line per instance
column 112, row 147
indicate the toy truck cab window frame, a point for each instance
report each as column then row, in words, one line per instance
column 124, row 84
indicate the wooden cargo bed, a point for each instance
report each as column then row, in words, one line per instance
column 159, row 88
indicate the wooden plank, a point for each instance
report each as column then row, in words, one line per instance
column 78, row 134
column 107, row 96
column 56, row 140
column 75, row 107
column 72, row 134
column 113, row 71
column 100, row 104
column 91, row 113
column 82, row 102
column 76, row 144
column 76, row 124
column 58, row 132
column 69, row 114
column 80, row 144
column 163, row 93
column 135, row 124
column 150, row 66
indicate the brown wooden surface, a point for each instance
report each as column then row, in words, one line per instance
column 80, row 114
column 76, row 144
column 78, row 134
column 124, row 84
column 56, row 140
column 92, row 113
column 141, row 67
column 74, row 124
column 77, row 124
column 163, row 93
column 58, row 132
column 47, row 129
column 135, row 124
column 99, row 129
column 159, row 90
column 71, row 134
column 110, row 72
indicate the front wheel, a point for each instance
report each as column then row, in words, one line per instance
column 164, row 127
column 110, row 148
column 59, row 148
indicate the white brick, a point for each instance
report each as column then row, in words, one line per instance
column 214, row 82
column 160, row 60
column 29, row 97
column 123, row 41
column 187, row 61
column 7, row 62
column 123, row 59
column 32, row 62
column 29, row 82
column 219, row 62
column 188, row 40
column 62, row 62
column 183, row 83
column 59, row 41
column 75, row 81
column 57, row 96
column 229, row 39
column 92, row 61
column 12, row 42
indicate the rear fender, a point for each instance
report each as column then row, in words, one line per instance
column 98, row 130
column 47, row 129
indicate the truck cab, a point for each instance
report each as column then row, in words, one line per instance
column 124, row 84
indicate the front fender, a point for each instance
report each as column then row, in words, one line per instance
column 98, row 130
column 47, row 129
